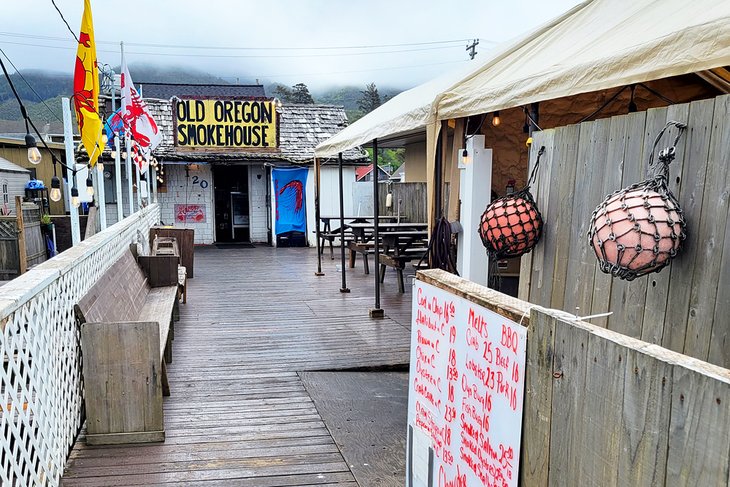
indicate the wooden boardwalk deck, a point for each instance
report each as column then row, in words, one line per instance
column 239, row 414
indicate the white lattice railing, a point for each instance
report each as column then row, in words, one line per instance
column 40, row 381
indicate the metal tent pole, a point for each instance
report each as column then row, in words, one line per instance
column 343, row 288
column 376, row 312
column 316, row 217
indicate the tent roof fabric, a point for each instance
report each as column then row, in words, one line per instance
column 405, row 112
column 599, row 44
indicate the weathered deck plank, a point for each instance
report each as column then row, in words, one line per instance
column 239, row 413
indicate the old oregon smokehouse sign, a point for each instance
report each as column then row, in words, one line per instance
column 226, row 123
column 466, row 393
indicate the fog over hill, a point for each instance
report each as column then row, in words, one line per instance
column 43, row 97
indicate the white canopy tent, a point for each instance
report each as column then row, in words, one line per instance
column 407, row 112
column 598, row 44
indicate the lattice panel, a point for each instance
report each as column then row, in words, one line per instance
column 40, row 380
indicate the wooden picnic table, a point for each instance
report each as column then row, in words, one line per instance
column 363, row 232
column 327, row 220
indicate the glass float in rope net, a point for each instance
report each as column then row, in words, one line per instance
column 511, row 226
column 639, row 229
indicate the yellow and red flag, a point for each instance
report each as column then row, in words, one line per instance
column 86, row 88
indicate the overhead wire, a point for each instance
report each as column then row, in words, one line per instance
column 17, row 71
column 248, row 48
column 238, row 56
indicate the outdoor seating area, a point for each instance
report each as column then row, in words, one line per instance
column 399, row 242
column 242, row 408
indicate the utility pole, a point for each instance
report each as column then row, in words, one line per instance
column 472, row 48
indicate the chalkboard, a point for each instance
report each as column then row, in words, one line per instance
column 466, row 391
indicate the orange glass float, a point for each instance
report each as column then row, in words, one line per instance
column 511, row 226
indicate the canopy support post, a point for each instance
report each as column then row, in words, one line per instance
column 376, row 312
column 316, row 217
column 343, row 288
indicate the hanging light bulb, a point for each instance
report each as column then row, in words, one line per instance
column 89, row 186
column 55, row 194
column 465, row 157
column 632, row 104
column 495, row 119
column 75, row 197
column 104, row 139
column 114, row 154
column 34, row 155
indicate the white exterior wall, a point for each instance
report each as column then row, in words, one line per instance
column 329, row 198
column 197, row 189
column 258, row 209
column 15, row 182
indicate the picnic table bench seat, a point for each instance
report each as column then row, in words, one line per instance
column 126, row 342
column 398, row 262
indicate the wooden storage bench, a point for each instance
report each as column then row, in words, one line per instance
column 126, row 333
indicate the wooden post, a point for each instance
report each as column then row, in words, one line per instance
column 22, row 254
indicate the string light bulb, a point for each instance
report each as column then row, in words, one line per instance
column 495, row 119
column 55, row 193
column 114, row 154
column 75, row 197
column 465, row 157
column 104, row 139
column 34, row 155
column 89, row 185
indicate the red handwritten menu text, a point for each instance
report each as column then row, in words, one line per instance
column 466, row 390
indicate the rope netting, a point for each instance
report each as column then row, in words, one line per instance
column 512, row 225
column 639, row 229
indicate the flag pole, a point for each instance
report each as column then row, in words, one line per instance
column 68, row 136
column 128, row 149
column 117, row 158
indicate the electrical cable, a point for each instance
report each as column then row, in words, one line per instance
column 237, row 48
column 64, row 20
column 239, row 56
column 17, row 71
column 29, row 121
column 440, row 249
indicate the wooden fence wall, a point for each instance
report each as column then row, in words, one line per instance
column 685, row 307
column 35, row 245
column 604, row 409
column 412, row 197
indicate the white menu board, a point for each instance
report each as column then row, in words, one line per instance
column 466, row 393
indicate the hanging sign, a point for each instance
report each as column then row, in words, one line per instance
column 226, row 123
column 466, row 393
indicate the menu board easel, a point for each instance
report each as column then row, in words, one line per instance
column 466, row 393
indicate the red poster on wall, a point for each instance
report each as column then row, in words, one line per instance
column 190, row 213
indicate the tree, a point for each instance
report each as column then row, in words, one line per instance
column 300, row 94
column 282, row 92
column 370, row 99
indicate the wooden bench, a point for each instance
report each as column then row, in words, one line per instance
column 126, row 334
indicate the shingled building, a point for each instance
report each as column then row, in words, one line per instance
column 220, row 146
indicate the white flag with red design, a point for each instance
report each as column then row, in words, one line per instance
column 138, row 120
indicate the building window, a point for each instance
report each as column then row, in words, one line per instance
column 6, row 194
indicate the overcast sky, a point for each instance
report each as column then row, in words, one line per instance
column 280, row 29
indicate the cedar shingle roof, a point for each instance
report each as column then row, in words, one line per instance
column 301, row 129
